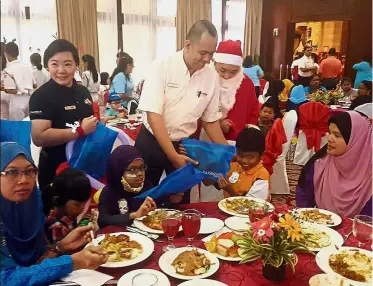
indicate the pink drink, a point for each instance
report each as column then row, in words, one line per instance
column 191, row 224
column 362, row 231
column 170, row 226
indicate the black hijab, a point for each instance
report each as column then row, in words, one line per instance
column 275, row 88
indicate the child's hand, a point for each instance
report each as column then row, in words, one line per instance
column 224, row 184
column 120, row 115
column 147, row 206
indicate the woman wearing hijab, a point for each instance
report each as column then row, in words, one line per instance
column 297, row 98
column 25, row 259
column 125, row 174
column 284, row 95
column 338, row 178
column 275, row 88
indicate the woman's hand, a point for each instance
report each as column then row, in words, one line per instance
column 89, row 124
column 182, row 150
column 75, row 239
column 180, row 161
column 89, row 258
column 147, row 206
column 226, row 125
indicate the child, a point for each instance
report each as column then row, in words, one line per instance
column 115, row 103
column 247, row 176
column 349, row 94
column 125, row 173
column 69, row 193
column 266, row 115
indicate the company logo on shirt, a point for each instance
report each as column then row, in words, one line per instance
column 70, row 107
column 87, row 101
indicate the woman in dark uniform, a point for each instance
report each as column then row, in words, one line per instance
column 60, row 110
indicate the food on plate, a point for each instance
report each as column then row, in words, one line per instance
column 242, row 205
column 316, row 216
column 316, row 238
column 353, row 265
column 120, row 247
column 154, row 219
column 224, row 245
column 191, row 263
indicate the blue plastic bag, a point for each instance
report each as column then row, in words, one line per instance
column 213, row 159
column 178, row 181
column 16, row 131
column 92, row 152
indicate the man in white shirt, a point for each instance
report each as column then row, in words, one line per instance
column 177, row 92
column 306, row 67
column 18, row 82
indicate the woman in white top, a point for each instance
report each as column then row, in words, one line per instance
column 91, row 80
column 40, row 74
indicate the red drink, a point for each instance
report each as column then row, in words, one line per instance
column 191, row 223
column 170, row 226
column 362, row 228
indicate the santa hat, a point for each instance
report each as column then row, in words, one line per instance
column 229, row 52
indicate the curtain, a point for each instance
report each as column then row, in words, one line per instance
column 253, row 27
column 189, row 12
column 31, row 35
column 107, row 34
column 149, row 31
column 77, row 23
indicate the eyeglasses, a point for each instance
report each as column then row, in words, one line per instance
column 135, row 170
column 16, row 174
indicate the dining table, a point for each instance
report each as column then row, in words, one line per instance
column 234, row 273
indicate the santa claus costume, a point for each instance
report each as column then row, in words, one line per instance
column 238, row 100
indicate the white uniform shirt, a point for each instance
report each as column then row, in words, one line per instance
column 87, row 81
column 181, row 99
column 40, row 76
column 18, row 76
column 77, row 76
column 305, row 62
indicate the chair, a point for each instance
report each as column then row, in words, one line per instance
column 313, row 124
column 279, row 178
column 35, row 150
column 366, row 109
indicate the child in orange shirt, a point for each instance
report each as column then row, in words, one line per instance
column 247, row 176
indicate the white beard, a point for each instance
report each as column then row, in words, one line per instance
column 228, row 89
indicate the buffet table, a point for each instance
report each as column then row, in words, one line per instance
column 233, row 273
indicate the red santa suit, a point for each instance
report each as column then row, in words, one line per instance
column 237, row 95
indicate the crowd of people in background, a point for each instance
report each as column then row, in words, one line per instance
column 181, row 97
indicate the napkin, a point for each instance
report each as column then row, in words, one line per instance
column 87, row 277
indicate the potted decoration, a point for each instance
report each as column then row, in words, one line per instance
column 275, row 239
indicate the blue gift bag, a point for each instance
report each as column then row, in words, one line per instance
column 178, row 181
column 213, row 159
column 92, row 152
column 16, row 131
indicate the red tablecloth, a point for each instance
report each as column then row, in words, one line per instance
column 131, row 133
column 335, row 111
column 232, row 273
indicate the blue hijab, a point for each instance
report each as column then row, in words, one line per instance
column 22, row 223
column 298, row 94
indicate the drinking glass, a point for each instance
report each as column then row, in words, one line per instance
column 170, row 226
column 362, row 228
column 191, row 223
column 257, row 211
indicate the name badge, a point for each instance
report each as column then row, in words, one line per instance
column 70, row 107
column 172, row 85
column 199, row 93
column 87, row 101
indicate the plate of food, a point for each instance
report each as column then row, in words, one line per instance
column 319, row 237
column 236, row 223
column 352, row 264
column 188, row 263
column 125, row 248
column 223, row 245
column 153, row 221
column 239, row 206
column 327, row 280
column 319, row 216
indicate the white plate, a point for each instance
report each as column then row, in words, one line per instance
column 202, row 282
column 322, row 260
column 222, row 208
column 140, row 225
column 236, row 223
column 126, row 279
column 147, row 249
column 335, row 218
column 210, row 225
column 326, row 280
column 168, row 257
column 226, row 258
column 335, row 238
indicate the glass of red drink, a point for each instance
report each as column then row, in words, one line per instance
column 191, row 223
column 257, row 212
column 362, row 228
column 170, row 226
